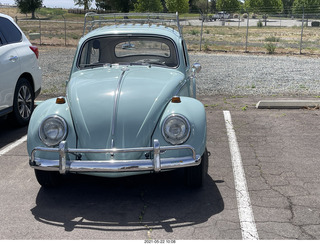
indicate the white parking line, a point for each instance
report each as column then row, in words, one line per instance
column 13, row 145
column 247, row 223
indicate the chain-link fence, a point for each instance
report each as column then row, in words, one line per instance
column 235, row 33
column 272, row 33
column 52, row 32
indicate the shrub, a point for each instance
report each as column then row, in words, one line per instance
column 259, row 23
column 206, row 47
column 194, row 32
column 270, row 47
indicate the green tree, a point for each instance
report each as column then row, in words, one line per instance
column 148, row 6
column 213, row 6
column 104, row 4
column 287, row 6
column 180, row 6
column 264, row 6
column 306, row 6
column 203, row 5
column 228, row 5
column 123, row 5
column 85, row 3
column 118, row 5
column 29, row 6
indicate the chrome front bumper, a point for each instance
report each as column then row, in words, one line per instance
column 64, row 165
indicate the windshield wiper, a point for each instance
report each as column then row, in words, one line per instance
column 92, row 65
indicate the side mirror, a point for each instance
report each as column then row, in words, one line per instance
column 196, row 67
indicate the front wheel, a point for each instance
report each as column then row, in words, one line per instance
column 195, row 176
column 48, row 178
column 23, row 102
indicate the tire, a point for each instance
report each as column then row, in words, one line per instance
column 48, row 178
column 195, row 176
column 23, row 102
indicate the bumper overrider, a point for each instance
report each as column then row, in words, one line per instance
column 156, row 164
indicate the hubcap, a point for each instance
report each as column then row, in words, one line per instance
column 24, row 102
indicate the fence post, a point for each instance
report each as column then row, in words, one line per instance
column 247, row 32
column 65, row 31
column 302, row 29
column 202, row 20
column 40, row 30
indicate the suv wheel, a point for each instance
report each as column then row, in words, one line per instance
column 23, row 102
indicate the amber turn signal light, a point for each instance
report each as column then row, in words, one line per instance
column 176, row 99
column 60, row 100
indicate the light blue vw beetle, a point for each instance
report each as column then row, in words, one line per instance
column 129, row 109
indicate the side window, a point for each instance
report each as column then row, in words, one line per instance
column 9, row 31
column 90, row 53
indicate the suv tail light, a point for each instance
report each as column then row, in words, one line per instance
column 35, row 50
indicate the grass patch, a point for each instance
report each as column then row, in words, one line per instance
column 244, row 108
column 194, row 32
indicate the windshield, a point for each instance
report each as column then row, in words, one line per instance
column 130, row 50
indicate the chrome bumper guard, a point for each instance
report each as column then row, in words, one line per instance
column 64, row 165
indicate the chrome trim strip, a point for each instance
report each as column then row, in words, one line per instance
column 116, row 100
column 64, row 165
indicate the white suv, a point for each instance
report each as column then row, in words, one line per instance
column 20, row 74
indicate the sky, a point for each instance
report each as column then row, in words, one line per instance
column 50, row 3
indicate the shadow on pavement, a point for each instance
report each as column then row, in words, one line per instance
column 156, row 201
column 9, row 132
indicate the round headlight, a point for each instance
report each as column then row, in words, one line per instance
column 176, row 129
column 53, row 130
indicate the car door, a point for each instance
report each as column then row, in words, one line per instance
column 10, row 39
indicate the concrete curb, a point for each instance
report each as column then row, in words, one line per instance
column 287, row 104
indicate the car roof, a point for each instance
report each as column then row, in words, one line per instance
column 142, row 29
column 6, row 16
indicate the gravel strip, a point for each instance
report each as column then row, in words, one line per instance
column 221, row 74
column 257, row 75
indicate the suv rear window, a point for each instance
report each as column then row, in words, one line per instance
column 10, row 32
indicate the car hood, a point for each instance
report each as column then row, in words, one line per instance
column 119, row 107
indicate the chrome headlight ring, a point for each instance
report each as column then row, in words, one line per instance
column 53, row 130
column 176, row 129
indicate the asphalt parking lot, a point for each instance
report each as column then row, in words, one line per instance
column 279, row 156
